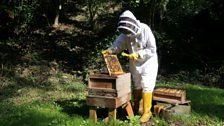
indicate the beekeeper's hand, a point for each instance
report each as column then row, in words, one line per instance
column 107, row 52
column 132, row 56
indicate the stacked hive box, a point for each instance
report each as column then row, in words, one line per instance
column 110, row 90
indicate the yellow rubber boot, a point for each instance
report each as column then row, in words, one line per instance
column 137, row 98
column 147, row 104
column 140, row 110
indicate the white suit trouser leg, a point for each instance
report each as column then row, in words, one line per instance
column 146, row 82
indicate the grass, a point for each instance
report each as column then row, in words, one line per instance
column 207, row 104
column 60, row 100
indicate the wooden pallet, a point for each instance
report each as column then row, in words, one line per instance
column 108, row 102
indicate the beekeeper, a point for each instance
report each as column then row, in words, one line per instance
column 139, row 40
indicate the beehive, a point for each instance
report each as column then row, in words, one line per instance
column 170, row 95
column 109, row 91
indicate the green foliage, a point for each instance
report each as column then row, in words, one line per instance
column 179, row 10
column 24, row 16
column 98, row 11
column 134, row 121
column 158, row 121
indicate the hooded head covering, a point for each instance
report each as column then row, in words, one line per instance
column 128, row 24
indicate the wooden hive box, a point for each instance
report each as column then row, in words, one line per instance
column 108, row 102
column 170, row 95
column 109, row 91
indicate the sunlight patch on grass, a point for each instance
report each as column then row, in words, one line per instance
column 207, row 103
column 36, row 114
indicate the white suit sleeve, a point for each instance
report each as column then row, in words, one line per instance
column 119, row 44
column 150, row 49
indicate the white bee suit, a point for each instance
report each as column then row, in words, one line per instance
column 144, row 70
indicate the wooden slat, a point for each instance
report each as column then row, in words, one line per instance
column 108, row 102
column 101, row 83
column 129, row 109
column 112, row 114
column 107, row 92
column 171, row 101
column 122, row 85
column 102, row 92
column 105, row 76
column 167, row 97
column 93, row 113
column 170, row 92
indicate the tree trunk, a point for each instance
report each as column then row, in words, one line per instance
column 90, row 8
column 56, row 20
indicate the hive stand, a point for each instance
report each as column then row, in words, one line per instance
column 112, row 92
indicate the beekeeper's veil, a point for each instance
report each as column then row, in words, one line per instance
column 128, row 24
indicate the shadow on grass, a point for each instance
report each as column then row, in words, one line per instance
column 207, row 101
column 74, row 107
column 13, row 87
column 79, row 107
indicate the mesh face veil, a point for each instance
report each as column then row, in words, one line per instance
column 128, row 24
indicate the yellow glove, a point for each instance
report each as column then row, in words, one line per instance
column 133, row 56
column 124, row 54
column 106, row 52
